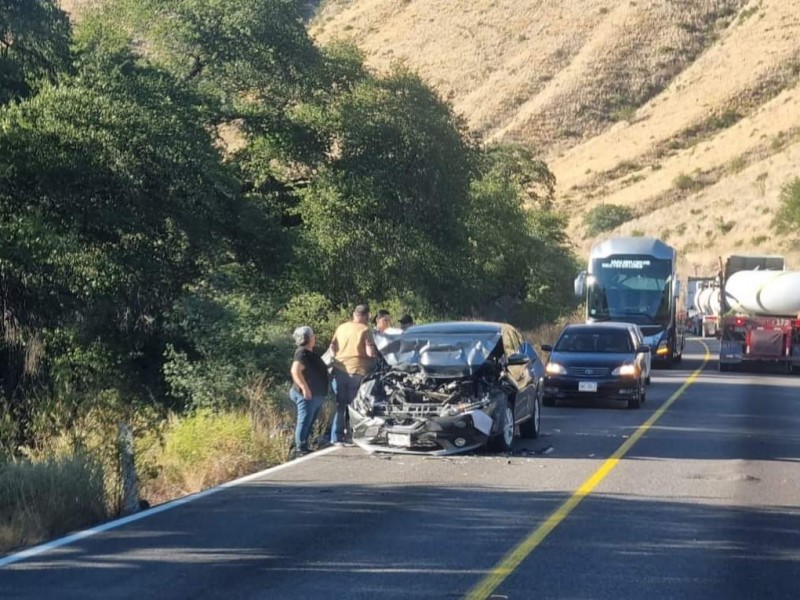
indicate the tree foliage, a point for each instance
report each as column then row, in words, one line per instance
column 34, row 46
column 186, row 168
column 606, row 217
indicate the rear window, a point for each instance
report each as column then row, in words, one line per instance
column 595, row 340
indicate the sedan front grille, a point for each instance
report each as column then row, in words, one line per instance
column 588, row 371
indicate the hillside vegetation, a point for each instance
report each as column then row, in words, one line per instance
column 184, row 182
column 687, row 113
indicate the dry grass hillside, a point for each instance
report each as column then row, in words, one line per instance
column 688, row 112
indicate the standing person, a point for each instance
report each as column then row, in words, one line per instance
column 383, row 320
column 406, row 321
column 354, row 353
column 309, row 386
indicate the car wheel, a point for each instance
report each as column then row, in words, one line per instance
column 504, row 439
column 530, row 428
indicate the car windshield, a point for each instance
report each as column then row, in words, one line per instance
column 595, row 341
column 631, row 289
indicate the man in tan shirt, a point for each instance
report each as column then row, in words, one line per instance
column 354, row 353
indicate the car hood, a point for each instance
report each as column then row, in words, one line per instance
column 439, row 354
column 590, row 359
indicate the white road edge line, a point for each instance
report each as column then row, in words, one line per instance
column 80, row 535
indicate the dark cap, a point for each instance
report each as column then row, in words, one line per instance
column 362, row 309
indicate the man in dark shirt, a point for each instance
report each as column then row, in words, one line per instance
column 309, row 387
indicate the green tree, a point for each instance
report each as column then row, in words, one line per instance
column 34, row 45
column 521, row 256
column 112, row 198
column 384, row 215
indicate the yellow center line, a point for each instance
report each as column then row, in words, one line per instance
column 514, row 558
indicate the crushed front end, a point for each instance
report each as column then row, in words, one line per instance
column 411, row 412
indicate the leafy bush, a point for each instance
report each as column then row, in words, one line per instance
column 226, row 332
column 725, row 226
column 685, row 182
column 787, row 219
column 606, row 217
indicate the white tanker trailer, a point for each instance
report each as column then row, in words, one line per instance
column 707, row 303
column 760, row 313
column 772, row 293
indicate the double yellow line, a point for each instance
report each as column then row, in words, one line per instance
column 514, row 558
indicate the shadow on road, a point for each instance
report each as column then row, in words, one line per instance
column 271, row 540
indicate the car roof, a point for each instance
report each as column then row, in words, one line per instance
column 461, row 327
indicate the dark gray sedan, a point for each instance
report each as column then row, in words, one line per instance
column 450, row 387
column 598, row 360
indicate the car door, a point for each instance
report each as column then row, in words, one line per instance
column 521, row 374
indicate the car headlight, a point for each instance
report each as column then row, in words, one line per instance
column 663, row 347
column 628, row 370
column 555, row 369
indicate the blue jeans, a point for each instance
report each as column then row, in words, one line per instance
column 306, row 415
column 346, row 387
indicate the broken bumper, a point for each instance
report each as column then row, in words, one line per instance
column 436, row 436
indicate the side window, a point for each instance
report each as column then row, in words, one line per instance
column 529, row 351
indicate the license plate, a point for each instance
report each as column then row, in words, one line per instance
column 587, row 386
column 402, row 440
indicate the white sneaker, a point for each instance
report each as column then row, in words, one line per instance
column 339, row 444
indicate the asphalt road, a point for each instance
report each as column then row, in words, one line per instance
column 705, row 504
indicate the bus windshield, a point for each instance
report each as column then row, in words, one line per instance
column 630, row 288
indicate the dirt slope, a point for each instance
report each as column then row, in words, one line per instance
column 688, row 112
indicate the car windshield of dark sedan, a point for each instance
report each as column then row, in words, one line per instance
column 595, row 341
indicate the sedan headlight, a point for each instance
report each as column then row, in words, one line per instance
column 628, row 370
column 555, row 369
column 663, row 348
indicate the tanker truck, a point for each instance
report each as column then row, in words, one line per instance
column 760, row 313
column 703, row 300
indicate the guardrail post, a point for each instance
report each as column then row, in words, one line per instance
column 129, row 503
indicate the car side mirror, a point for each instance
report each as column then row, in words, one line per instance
column 580, row 284
column 643, row 350
column 517, row 360
column 546, row 348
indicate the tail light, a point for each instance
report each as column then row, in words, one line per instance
column 739, row 321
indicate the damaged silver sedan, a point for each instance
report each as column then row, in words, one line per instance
column 450, row 387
